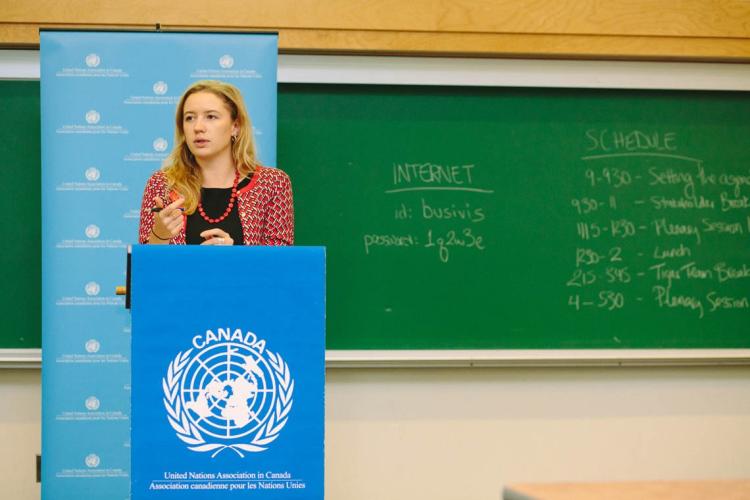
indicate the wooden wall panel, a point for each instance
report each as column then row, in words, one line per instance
column 633, row 29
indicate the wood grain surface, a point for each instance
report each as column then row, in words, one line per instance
column 717, row 30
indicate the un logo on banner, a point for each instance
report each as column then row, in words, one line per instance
column 92, row 403
column 226, row 61
column 92, row 288
column 92, row 231
column 231, row 393
column 160, row 88
column 92, row 460
column 93, row 117
column 92, row 346
column 92, row 174
column 160, row 144
column 92, row 60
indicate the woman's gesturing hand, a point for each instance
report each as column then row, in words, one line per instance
column 168, row 221
column 216, row 236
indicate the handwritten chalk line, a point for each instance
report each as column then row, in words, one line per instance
column 471, row 190
column 658, row 155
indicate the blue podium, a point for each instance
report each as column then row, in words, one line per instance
column 228, row 361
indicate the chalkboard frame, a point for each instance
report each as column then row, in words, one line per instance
column 24, row 65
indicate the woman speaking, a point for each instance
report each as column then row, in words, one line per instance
column 211, row 190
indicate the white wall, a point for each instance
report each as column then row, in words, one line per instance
column 462, row 433
column 20, row 433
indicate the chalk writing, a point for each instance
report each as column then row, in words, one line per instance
column 431, row 173
column 462, row 211
column 388, row 240
column 464, row 238
column 676, row 205
column 633, row 140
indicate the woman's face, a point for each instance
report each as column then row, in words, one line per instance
column 208, row 126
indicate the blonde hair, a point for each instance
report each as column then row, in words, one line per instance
column 182, row 171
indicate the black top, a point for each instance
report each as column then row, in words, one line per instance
column 215, row 201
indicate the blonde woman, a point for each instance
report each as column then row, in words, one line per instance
column 211, row 190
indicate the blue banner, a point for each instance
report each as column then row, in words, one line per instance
column 108, row 102
column 228, row 372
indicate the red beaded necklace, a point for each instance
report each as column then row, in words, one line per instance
column 229, row 208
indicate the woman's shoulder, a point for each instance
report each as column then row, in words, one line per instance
column 271, row 172
column 157, row 183
column 271, row 176
column 157, row 179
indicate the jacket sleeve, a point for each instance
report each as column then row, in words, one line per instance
column 280, row 213
column 156, row 186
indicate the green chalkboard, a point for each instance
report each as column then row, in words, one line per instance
column 475, row 218
column 485, row 218
column 20, row 206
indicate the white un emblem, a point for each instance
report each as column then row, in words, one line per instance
column 92, row 60
column 160, row 144
column 92, row 403
column 92, row 346
column 230, row 393
column 92, row 460
column 92, row 231
column 160, row 88
column 92, row 174
column 226, row 61
column 93, row 117
column 92, row 288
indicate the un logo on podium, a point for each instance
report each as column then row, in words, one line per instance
column 231, row 393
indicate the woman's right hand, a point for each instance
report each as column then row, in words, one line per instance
column 167, row 222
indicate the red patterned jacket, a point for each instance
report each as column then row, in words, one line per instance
column 265, row 208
